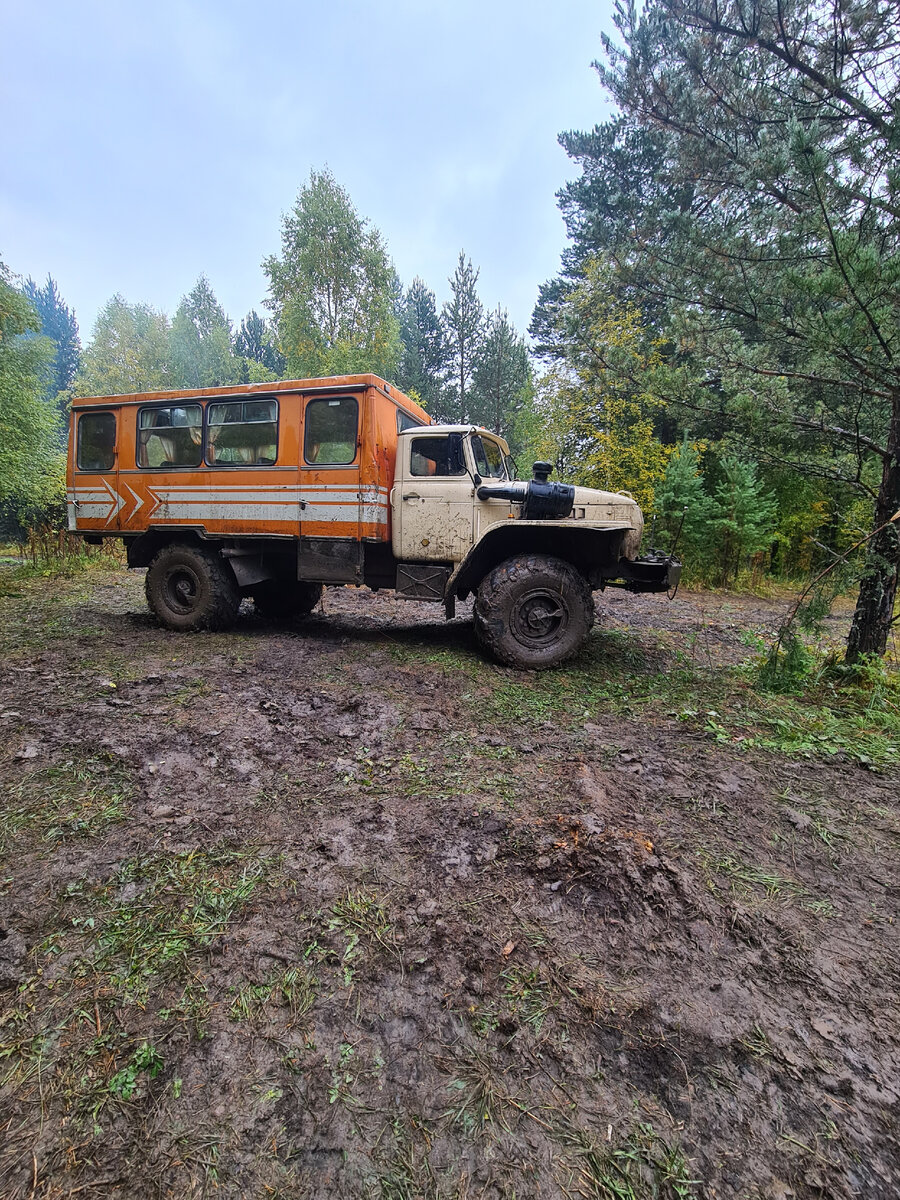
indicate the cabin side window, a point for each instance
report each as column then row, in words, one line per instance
column 170, row 437
column 96, row 448
column 406, row 420
column 242, row 433
column 440, row 455
column 331, row 432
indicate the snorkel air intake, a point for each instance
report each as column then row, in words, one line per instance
column 540, row 499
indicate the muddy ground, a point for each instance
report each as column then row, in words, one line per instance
column 342, row 910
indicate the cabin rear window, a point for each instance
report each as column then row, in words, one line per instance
column 331, row 431
column 242, row 433
column 170, row 436
column 96, row 441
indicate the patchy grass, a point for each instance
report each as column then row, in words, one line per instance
column 292, row 988
column 528, row 995
column 478, row 1102
column 642, row 1167
column 625, row 675
column 159, row 910
column 745, row 879
column 362, row 916
column 405, row 1172
column 485, row 962
column 116, row 946
column 17, row 568
column 57, row 804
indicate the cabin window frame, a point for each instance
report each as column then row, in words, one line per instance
column 87, row 416
column 240, row 466
column 330, row 400
column 160, row 407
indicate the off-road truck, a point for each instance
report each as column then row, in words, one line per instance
column 275, row 490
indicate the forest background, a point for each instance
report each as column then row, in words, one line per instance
column 722, row 338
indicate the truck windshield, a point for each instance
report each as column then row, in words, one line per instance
column 489, row 458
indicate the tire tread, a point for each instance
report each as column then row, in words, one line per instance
column 224, row 597
column 505, row 579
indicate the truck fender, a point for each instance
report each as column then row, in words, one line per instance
column 594, row 550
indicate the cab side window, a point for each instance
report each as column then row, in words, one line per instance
column 242, row 433
column 406, row 421
column 96, row 442
column 170, row 436
column 437, row 456
column 332, row 426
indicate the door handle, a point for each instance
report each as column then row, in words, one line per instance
column 411, row 496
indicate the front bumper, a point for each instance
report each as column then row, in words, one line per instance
column 651, row 573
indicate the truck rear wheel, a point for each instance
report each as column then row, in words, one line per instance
column 191, row 587
column 282, row 599
column 533, row 611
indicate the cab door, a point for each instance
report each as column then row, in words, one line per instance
column 433, row 500
column 93, row 500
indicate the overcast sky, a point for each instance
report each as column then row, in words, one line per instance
column 141, row 145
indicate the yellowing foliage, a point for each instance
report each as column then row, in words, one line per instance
column 595, row 419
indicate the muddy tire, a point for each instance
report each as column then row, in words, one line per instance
column 533, row 611
column 282, row 599
column 191, row 587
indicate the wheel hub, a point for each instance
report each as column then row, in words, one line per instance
column 539, row 618
column 182, row 589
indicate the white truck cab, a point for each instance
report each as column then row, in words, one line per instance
column 532, row 552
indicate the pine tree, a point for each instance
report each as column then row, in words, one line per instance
column 746, row 195
column 501, row 377
column 683, row 508
column 425, row 356
column 201, row 341
column 58, row 323
column 742, row 518
column 31, row 467
column 463, row 320
column 255, row 339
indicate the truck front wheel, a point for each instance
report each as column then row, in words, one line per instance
column 191, row 587
column 533, row 611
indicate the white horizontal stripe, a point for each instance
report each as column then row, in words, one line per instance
column 373, row 516
column 269, row 511
column 92, row 512
column 243, row 497
column 205, row 511
column 225, row 490
column 234, row 502
column 242, row 487
column 198, row 489
column 337, row 512
column 200, row 496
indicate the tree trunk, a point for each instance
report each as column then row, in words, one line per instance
column 878, row 588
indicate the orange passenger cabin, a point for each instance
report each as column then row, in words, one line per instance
column 309, row 458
